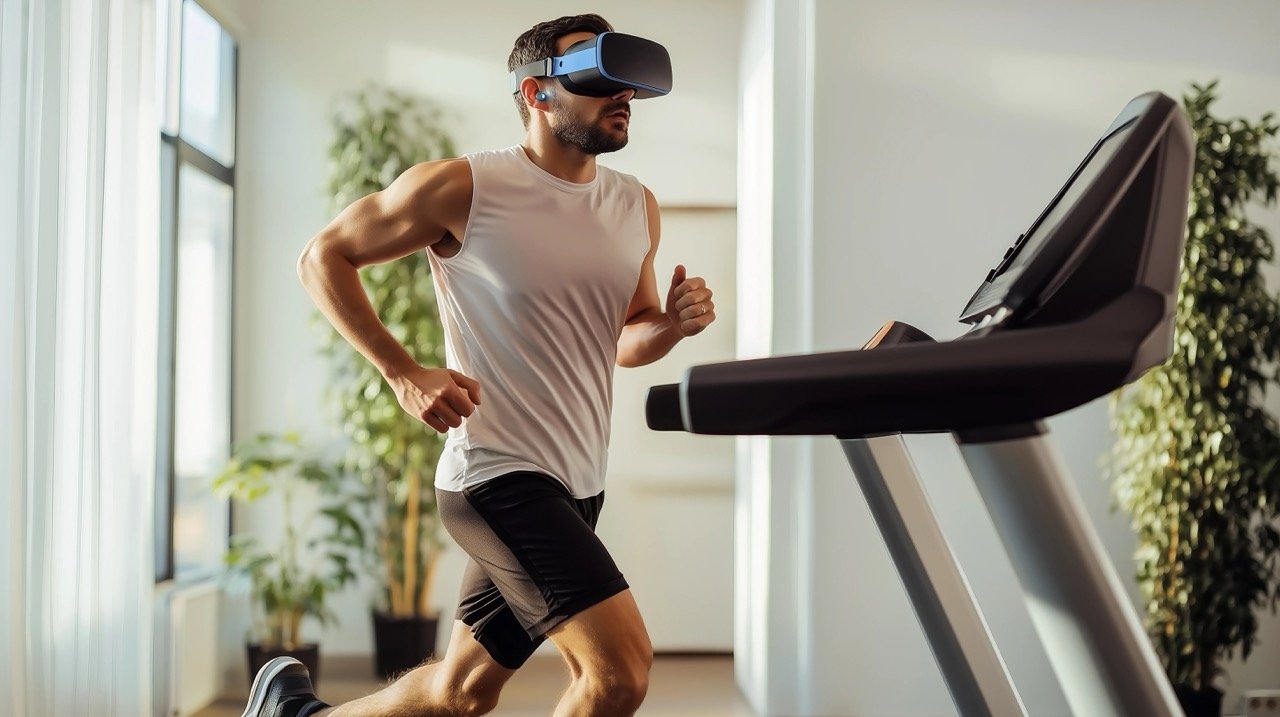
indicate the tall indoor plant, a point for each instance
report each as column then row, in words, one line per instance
column 378, row 133
column 289, row 579
column 1197, row 458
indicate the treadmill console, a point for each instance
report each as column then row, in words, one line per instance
column 1075, row 223
column 1081, row 304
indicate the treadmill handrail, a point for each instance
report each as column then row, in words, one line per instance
column 920, row 386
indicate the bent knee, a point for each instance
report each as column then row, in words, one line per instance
column 473, row 704
column 632, row 651
column 622, row 686
column 620, row 693
column 466, row 704
column 630, row 666
column 465, row 696
column 633, row 658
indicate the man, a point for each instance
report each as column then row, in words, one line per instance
column 543, row 266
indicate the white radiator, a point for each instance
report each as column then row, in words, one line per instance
column 190, row 664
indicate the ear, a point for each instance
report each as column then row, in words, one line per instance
column 533, row 94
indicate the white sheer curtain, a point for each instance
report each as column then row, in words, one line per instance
column 79, row 164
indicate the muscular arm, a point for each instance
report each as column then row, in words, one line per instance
column 651, row 330
column 426, row 203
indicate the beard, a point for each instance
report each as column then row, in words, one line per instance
column 588, row 137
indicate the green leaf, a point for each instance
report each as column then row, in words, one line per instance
column 377, row 134
column 1195, row 452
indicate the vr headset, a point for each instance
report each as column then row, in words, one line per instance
column 605, row 65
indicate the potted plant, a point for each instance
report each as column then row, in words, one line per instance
column 290, row 580
column 1196, row 463
column 378, row 134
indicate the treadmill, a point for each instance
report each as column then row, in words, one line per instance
column 1081, row 304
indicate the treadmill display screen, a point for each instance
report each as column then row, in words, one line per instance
column 1066, row 199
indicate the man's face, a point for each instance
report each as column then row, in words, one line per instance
column 592, row 124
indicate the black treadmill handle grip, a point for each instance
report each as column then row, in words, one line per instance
column 662, row 408
column 662, row 403
column 907, row 383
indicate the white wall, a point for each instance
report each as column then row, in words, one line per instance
column 295, row 55
column 939, row 129
column 774, row 476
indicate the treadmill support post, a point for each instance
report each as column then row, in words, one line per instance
column 962, row 645
column 1091, row 633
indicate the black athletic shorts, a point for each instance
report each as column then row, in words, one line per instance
column 535, row 559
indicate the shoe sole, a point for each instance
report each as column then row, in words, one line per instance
column 269, row 671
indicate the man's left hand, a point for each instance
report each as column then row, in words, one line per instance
column 689, row 305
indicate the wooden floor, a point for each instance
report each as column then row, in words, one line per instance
column 678, row 687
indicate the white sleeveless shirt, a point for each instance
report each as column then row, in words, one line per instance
column 533, row 305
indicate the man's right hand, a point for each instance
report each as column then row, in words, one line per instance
column 426, row 203
column 439, row 397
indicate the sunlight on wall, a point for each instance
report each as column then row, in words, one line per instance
column 755, row 337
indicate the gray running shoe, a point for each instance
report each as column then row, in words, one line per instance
column 282, row 688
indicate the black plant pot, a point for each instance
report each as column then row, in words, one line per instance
column 402, row 643
column 308, row 654
column 1199, row 703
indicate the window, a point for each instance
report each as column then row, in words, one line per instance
column 196, row 75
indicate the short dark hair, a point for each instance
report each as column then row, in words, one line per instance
column 539, row 41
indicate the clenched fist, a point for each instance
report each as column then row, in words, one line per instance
column 689, row 305
column 439, row 397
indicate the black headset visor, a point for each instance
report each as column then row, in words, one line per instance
column 605, row 65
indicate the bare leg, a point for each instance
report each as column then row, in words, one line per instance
column 467, row 682
column 609, row 656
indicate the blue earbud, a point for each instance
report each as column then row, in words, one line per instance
column 541, row 96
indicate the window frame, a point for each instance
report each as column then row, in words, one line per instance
column 177, row 152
